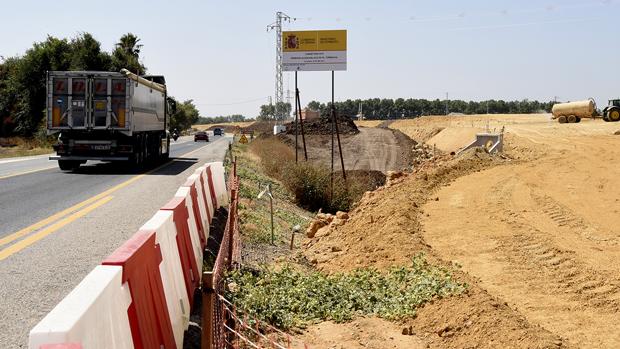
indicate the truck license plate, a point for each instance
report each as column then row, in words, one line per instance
column 100, row 147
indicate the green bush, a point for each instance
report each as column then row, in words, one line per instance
column 289, row 298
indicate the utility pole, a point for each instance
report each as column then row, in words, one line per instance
column 277, row 26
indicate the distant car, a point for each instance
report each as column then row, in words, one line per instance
column 201, row 136
column 218, row 132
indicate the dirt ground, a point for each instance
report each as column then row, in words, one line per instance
column 535, row 235
column 543, row 234
column 371, row 149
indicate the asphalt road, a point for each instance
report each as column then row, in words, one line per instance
column 56, row 226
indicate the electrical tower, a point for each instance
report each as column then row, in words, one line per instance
column 277, row 26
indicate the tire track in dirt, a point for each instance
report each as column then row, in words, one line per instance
column 528, row 253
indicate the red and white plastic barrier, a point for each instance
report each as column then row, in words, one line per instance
column 208, row 191
column 141, row 295
column 199, row 203
column 93, row 315
column 171, row 271
column 215, row 172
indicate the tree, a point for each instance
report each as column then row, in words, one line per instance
column 87, row 55
column 22, row 79
column 267, row 112
column 186, row 115
column 127, row 54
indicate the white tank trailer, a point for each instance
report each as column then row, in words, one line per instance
column 108, row 116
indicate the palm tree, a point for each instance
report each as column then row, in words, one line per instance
column 127, row 54
column 129, row 44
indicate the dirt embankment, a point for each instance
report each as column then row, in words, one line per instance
column 536, row 238
column 385, row 230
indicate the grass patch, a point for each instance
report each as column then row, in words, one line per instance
column 289, row 298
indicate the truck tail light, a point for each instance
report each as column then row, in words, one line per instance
column 121, row 117
column 56, row 115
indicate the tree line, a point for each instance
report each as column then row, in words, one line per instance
column 22, row 78
column 222, row 119
column 382, row 109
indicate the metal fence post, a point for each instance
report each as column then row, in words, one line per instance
column 208, row 309
column 232, row 215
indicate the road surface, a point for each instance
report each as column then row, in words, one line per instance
column 56, row 226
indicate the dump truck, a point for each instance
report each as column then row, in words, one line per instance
column 572, row 112
column 108, row 116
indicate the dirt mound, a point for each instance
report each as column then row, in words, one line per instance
column 226, row 128
column 323, row 126
column 384, row 227
column 617, row 133
column 265, row 127
column 384, row 230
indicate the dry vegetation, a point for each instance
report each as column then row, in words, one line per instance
column 222, row 125
column 18, row 146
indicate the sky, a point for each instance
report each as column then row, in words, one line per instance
column 220, row 54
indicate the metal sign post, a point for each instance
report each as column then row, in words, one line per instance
column 267, row 191
column 301, row 121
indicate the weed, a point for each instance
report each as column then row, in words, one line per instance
column 289, row 298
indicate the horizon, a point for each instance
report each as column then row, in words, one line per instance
column 224, row 59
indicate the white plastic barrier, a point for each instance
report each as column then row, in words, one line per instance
column 202, row 172
column 171, row 272
column 183, row 192
column 93, row 314
column 219, row 182
column 202, row 201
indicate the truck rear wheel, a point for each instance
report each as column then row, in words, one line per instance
column 578, row 120
column 571, row 119
column 68, row 165
column 562, row 119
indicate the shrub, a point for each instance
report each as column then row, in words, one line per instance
column 310, row 182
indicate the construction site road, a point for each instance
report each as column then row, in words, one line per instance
column 542, row 233
column 377, row 149
column 57, row 226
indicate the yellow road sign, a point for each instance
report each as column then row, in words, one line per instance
column 243, row 139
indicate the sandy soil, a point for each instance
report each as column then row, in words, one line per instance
column 543, row 234
column 368, row 123
column 384, row 230
column 535, row 235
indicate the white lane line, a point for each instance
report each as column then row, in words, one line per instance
column 25, row 158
